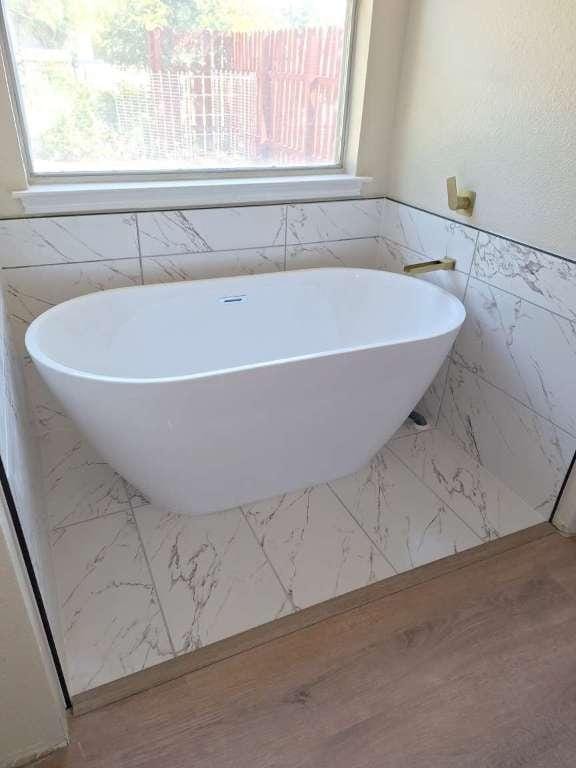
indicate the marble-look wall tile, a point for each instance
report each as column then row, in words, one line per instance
column 528, row 453
column 315, row 546
column 337, row 220
column 113, row 624
column 33, row 290
column 61, row 239
column 78, row 484
column 430, row 235
column 194, row 266
column 212, row 577
column 408, row 522
column 484, row 502
column 545, row 280
column 343, row 253
column 30, row 291
column 215, row 229
column 526, row 351
column 393, row 257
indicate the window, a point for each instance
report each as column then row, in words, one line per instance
column 121, row 86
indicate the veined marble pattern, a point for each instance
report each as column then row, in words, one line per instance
column 61, row 239
column 193, row 266
column 337, row 220
column 393, row 258
column 480, row 499
column 430, row 235
column 526, row 351
column 79, row 485
column 538, row 277
column 528, row 452
column 212, row 577
column 342, row 253
column 33, row 290
column 215, row 229
column 314, row 545
column 112, row 619
column 407, row 521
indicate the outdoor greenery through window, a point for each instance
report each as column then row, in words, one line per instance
column 171, row 85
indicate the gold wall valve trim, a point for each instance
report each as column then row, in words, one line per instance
column 463, row 202
column 429, row 266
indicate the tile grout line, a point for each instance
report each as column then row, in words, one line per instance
column 516, row 399
column 91, row 519
column 361, row 527
column 522, row 298
column 139, row 246
column 286, row 591
column 441, row 500
column 150, row 573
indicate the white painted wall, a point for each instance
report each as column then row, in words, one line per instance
column 32, row 718
column 488, row 92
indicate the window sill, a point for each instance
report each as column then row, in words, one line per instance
column 122, row 196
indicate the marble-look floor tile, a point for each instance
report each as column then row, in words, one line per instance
column 78, row 484
column 548, row 281
column 526, row 351
column 342, row 253
column 337, row 220
column 408, row 522
column 394, row 257
column 111, row 617
column 432, row 236
column 32, row 290
column 315, row 546
column 215, row 229
column 213, row 579
column 525, row 451
column 195, row 266
column 488, row 506
column 61, row 239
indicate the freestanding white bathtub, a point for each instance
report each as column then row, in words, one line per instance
column 213, row 393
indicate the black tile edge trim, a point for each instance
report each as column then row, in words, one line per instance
column 34, row 583
column 563, row 487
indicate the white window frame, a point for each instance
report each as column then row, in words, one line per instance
column 65, row 192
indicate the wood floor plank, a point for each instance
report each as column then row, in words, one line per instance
column 476, row 667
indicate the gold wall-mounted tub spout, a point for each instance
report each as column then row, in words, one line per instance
column 429, row 266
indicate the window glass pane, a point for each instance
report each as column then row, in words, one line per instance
column 140, row 85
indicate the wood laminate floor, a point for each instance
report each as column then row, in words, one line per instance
column 471, row 668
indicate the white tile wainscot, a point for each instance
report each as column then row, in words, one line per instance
column 200, row 266
column 217, row 229
column 64, row 239
column 432, row 236
column 528, row 352
column 338, row 220
column 521, row 448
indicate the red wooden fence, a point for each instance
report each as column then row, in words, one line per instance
column 269, row 96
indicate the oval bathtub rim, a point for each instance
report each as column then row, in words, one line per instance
column 39, row 356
